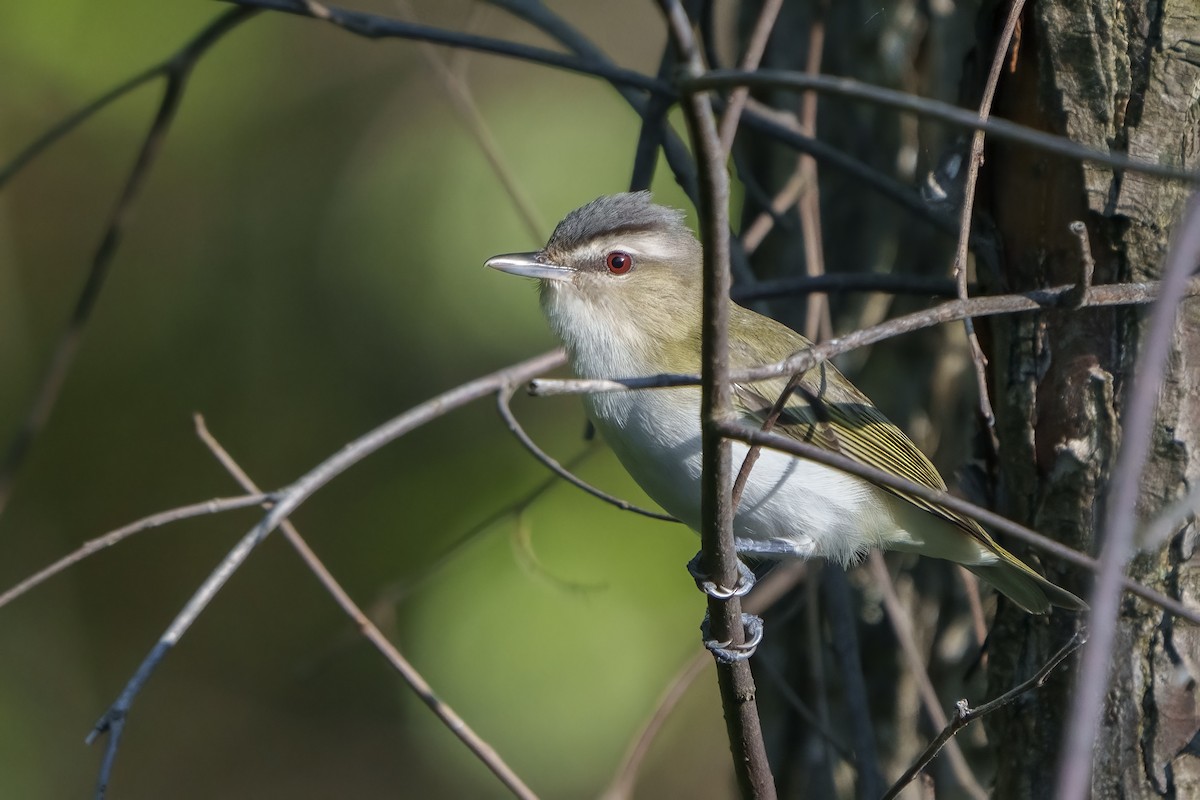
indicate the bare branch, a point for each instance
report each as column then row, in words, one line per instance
column 217, row 505
column 1055, row 297
column 287, row 501
column 903, row 628
column 373, row 26
column 1001, row 129
column 1120, row 521
column 456, row 724
column 1087, row 264
column 458, row 91
column 968, row 204
column 755, row 48
column 964, row 715
column 718, row 556
column 176, row 70
column 503, row 399
column 989, row 518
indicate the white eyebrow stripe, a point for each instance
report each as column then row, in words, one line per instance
column 650, row 246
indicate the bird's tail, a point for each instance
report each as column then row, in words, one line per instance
column 1025, row 587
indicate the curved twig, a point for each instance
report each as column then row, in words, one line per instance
column 503, row 400
column 374, row 26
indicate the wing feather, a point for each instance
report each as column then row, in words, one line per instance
column 826, row 410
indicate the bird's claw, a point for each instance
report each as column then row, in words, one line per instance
column 706, row 584
column 728, row 652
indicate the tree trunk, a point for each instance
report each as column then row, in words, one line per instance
column 1121, row 77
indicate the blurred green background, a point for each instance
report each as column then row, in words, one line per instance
column 304, row 263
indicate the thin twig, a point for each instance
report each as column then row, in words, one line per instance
column 754, row 233
column 990, row 518
column 189, row 53
column 1120, row 520
column 818, row 320
column 739, row 483
column 458, row 92
column 374, row 26
column 964, row 235
column 755, row 47
column 625, row 779
column 978, row 622
column 503, row 400
column 1087, row 264
column 830, row 282
column 218, row 505
column 718, row 558
column 934, row 109
column 785, row 128
column 964, row 715
column 287, row 501
column 803, row 360
column 456, row 724
column 902, row 627
column 651, row 109
column 176, row 71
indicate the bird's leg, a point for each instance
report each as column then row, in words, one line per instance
column 802, row 547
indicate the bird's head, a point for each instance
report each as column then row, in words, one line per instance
column 620, row 274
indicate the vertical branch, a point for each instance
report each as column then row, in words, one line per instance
column 818, row 319
column 718, row 555
column 964, row 234
column 1074, row 777
column 750, row 61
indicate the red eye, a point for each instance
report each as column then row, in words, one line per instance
column 618, row 263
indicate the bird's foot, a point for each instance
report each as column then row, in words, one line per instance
column 706, row 584
column 728, row 652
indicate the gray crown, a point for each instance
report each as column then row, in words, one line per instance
column 614, row 213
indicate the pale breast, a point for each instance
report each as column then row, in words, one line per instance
column 813, row 509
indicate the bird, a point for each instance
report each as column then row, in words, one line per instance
column 620, row 284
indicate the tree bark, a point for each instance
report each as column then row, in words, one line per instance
column 1121, row 77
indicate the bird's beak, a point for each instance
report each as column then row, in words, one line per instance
column 530, row 265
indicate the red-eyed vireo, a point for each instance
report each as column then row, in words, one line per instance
column 621, row 287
